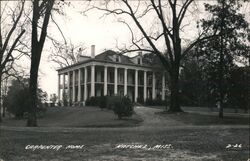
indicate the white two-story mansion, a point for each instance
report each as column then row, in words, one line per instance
column 110, row 73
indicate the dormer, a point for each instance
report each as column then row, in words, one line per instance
column 115, row 58
column 137, row 59
column 118, row 58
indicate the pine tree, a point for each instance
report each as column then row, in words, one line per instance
column 219, row 54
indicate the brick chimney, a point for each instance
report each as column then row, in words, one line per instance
column 92, row 51
column 140, row 56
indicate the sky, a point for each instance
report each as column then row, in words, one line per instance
column 77, row 28
column 91, row 29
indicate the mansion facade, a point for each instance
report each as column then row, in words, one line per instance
column 140, row 77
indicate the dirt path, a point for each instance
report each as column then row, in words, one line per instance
column 153, row 120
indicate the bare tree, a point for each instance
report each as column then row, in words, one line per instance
column 65, row 54
column 9, row 40
column 41, row 14
column 169, row 16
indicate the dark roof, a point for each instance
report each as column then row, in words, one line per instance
column 85, row 56
column 106, row 57
column 148, row 60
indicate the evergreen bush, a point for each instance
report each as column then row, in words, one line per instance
column 123, row 107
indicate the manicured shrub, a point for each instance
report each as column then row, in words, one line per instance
column 111, row 101
column 92, row 101
column 123, row 107
column 103, row 102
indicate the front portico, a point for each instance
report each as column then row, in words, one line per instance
column 97, row 77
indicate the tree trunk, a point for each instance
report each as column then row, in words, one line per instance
column 221, row 110
column 174, row 89
column 1, row 98
column 221, row 63
column 36, row 52
column 32, row 121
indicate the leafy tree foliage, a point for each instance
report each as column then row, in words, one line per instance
column 194, row 91
column 218, row 54
column 17, row 100
column 239, row 92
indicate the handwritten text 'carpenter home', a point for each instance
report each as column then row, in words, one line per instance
column 52, row 147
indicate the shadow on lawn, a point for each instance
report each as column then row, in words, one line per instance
column 203, row 119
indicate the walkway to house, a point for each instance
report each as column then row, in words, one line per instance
column 152, row 120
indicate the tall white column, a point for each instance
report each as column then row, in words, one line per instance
column 145, row 86
column 59, row 85
column 74, row 87
column 105, row 88
column 63, row 87
column 163, row 87
column 85, row 83
column 92, row 94
column 115, row 85
column 69, row 87
column 125, row 81
column 136, row 85
column 153, row 86
column 79, row 85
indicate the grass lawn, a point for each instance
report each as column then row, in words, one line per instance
column 206, row 119
column 78, row 117
column 191, row 143
column 188, row 145
column 204, row 116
